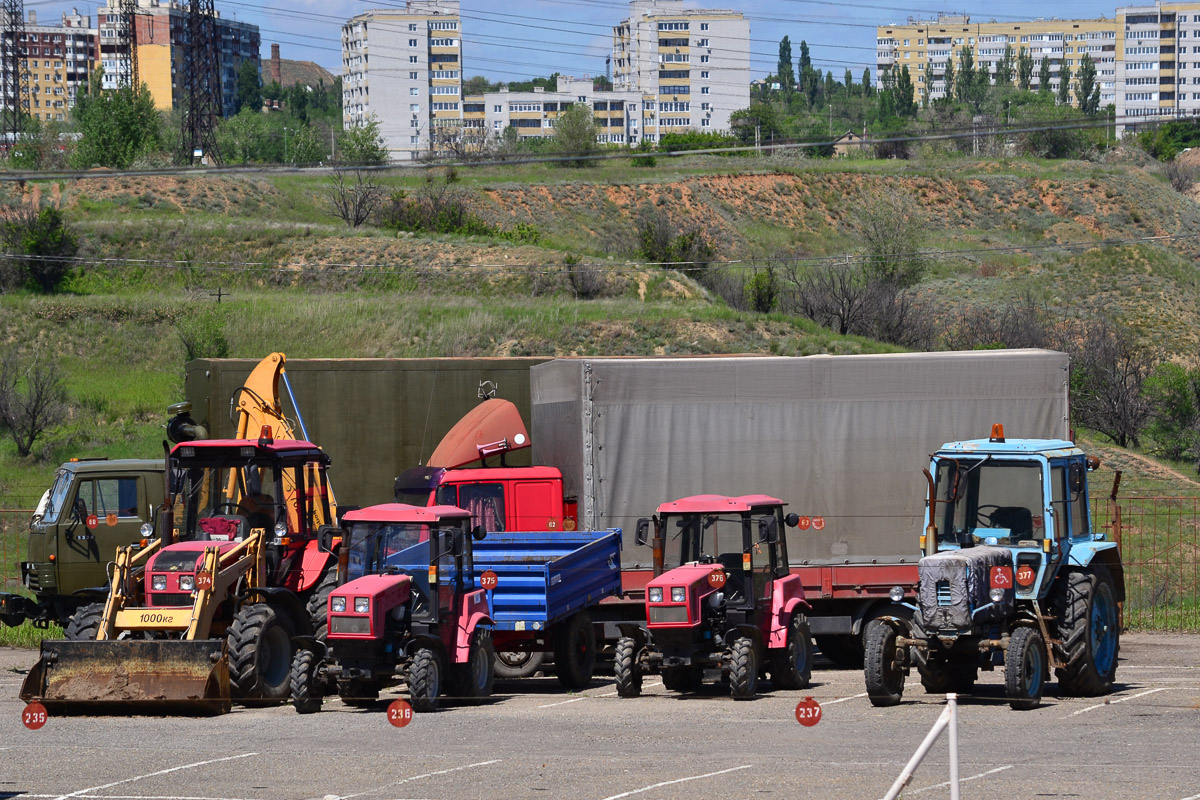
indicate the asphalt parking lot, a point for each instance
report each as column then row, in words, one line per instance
column 535, row 740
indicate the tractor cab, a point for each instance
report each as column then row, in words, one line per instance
column 722, row 598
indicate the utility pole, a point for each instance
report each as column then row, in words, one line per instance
column 15, row 84
column 202, row 79
column 127, row 49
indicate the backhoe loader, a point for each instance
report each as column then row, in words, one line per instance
column 208, row 611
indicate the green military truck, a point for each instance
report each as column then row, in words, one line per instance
column 93, row 507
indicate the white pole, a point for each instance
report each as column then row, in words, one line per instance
column 942, row 721
column 952, row 705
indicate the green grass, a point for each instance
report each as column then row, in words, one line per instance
column 27, row 636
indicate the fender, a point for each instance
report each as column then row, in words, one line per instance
column 636, row 632
column 285, row 601
column 897, row 613
column 1104, row 553
column 787, row 597
column 750, row 632
column 475, row 613
column 313, row 562
column 428, row 640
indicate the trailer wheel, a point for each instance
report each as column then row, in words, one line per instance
column 885, row 680
column 318, row 601
column 743, row 669
column 260, row 653
column 845, row 651
column 1025, row 669
column 425, row 680
column 85, row 622
column 1086, row 607
column 791, row 666
column 575, row 651
column 686, row 679
column 626, row 668
column 306, row 695
column 517, row 663
column 473, row 679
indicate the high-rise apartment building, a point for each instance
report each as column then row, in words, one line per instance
column 161, row 38
column 57, row 62
column 1158, row 62
column 403, row 66
column 692, row 64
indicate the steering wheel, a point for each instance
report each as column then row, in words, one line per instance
column 980, row 516
column 705, row 558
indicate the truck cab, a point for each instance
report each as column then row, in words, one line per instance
column 498, row 498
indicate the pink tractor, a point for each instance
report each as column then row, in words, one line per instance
column 722, row 598
column 406, row 610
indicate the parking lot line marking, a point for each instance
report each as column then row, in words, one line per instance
column 421, row 777
column 844, row 699
column 1193, row 797
column 563, row 702
column 677, row 780
column 1119, row 700
column 92, row 789
column 962, row 780
column 138, row 797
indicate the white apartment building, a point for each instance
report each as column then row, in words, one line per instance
column 1158, row 62
column 692, row 65
column 619, row 116
column 403, row 66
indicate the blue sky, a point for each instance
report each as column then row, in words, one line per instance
column 527, row 38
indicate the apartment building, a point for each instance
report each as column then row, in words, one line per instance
column 1158, row 62
column 57, row 62
column 161, row 39
column 693, row 65
column 925, row 46
column 403, row 66
column 620, row 117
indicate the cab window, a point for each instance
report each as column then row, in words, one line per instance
column 110, row 496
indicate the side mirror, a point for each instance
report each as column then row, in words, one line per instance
column 792, row 519
column 478, row 533
column 325, row 537
column 1093, row 463
column 1075, row 475
column 456, row 543
column 643, row 530
column 768, row 531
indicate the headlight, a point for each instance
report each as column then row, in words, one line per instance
column 655, row 594
column 897, row 594
column 147, row 530
column 159, row 583
column 280, row 530
column 362, row 605
column 678, row 594
column 338, row 604
column 187, row 583
column 996, row 594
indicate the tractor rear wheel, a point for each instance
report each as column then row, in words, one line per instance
column 306, row 695
column 1025, row 669
column 518, row 663
column 473, row 679
column 260, row 653
column 885, row 680
column 846, row 652
column 575, row 651
column 791, row 666
column 425, row 680
column 1086, row 607
column 743, row 669
column 686, row 679
column 85, row 622
column 318, row 601
column 626, row 668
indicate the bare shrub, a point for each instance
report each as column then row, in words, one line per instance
column 1023, row 322
column 586, row 280
column 33, row 398
column 1181, row 175
column 1108, row 372
column 354, row 196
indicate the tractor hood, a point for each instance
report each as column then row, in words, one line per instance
column 664, row 606
column 170, row 575
column 953, row 593
column 184, row 556
column 357, row 609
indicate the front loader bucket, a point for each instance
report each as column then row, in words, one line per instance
column 128, row 676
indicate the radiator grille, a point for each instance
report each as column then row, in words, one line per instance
column 943, row 594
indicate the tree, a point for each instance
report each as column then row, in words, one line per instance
column 848, row 82
column 302, row 146
column 40, row 146
column 249, row 88
column 866, row 82
column 1024, row 69
column 1064, row 86
column 354, row 196
column 1088, row 89
column 40, row 248
column 32, row 399
column 949, row 80
column 971, row 84
column 1107, row 378
column 759, row 117
column 787, row 77
column 575, row 134
column 810, row 79
column 1173, row 394
column 116, row 127
column 1044, row 75
column 1006, row 66
column 906, row 104
column 362, row 144
column 891, row 231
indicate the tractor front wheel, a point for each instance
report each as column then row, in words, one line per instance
column 1025, row 668
column 306, row 695
column 626, row 668
column 85, row 622
column 791, row 667
column 743, row 669
column 260, row 653
column 318, row 601
column 473, row 679
column 575, row 651
column 885, row 680
column 1086, row 606
column 425, row 680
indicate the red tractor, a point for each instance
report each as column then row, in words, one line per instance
column 722, row 598
column 407, row 608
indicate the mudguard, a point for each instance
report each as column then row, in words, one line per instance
column 285, row 600
column 750, row 632
column 636, row 632
column 312, row 564
column 475, row 612
column 1106, row 553
column 787, row 597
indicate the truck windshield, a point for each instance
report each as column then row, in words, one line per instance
column 703, row 538
column 984, row 499
column 57, row 496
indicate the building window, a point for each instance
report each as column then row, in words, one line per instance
column 412, row 26
column 412, row 42
column 703, row 90
column 412, row 59
column 415, row 107
column 703, row 59
column 412, row 76
column 706, row 122
column 704, row 74
column 415, row 91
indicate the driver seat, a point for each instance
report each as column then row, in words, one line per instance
column 1017, row 519
column 734, row 583
column 224, row 527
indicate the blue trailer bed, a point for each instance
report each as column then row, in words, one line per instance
column 546, row 576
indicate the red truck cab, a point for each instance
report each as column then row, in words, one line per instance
column 499, row 498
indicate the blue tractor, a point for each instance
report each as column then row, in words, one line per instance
column 1011, row 575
